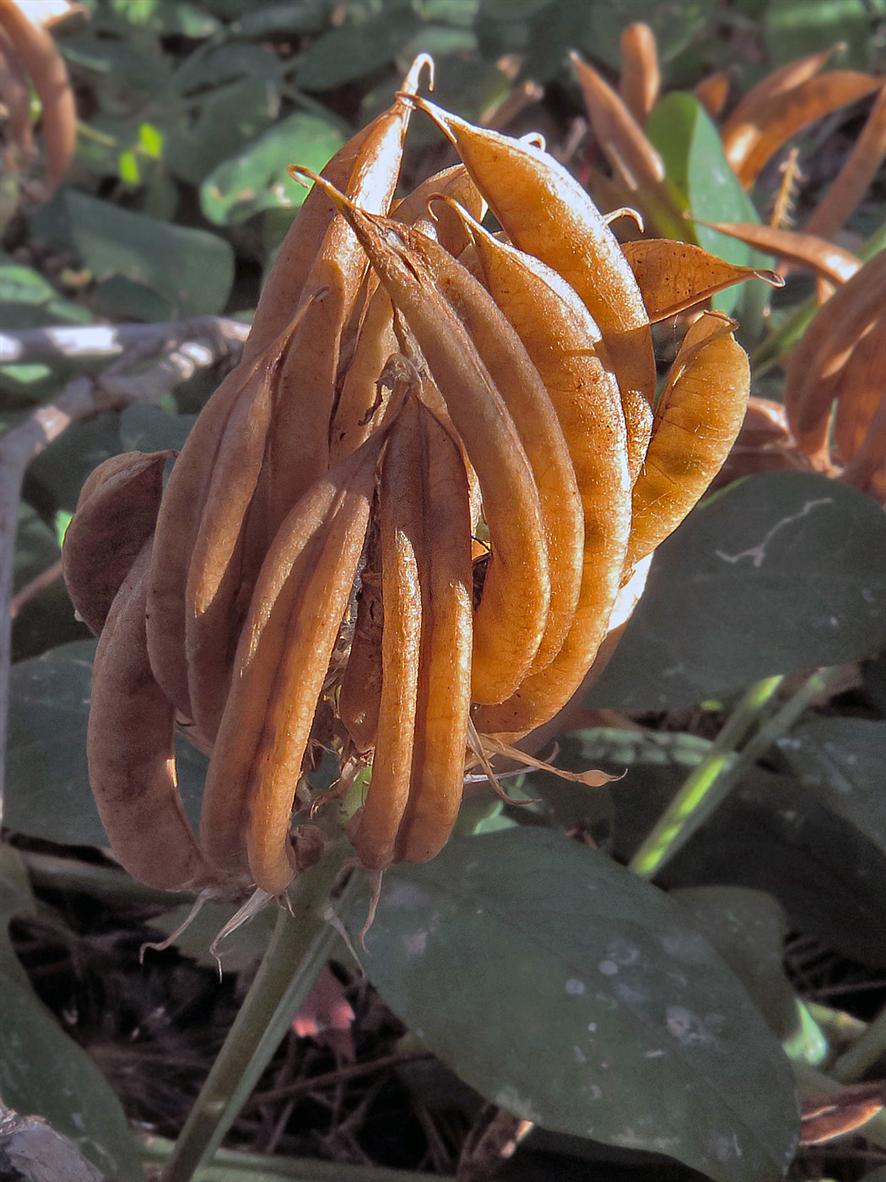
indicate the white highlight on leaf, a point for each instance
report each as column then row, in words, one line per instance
column 574, row 987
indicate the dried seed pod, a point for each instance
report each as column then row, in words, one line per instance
column 403, row 553
column 130, row 749
column 360, row 694
column 510, row 620
column 697, row 420
column 852, row 181
column 116, row 514
column 640, row 82
column 546, row 213
column 360, row 401
column 559, row 334
column 444, row 686
column 635, row 161
column 712, row 92
column 814, row 367
column 279, row 670
column 37, row 52
column 177, row 524
column 285, row 284
column 673, row 276
column 751, row 142
column 221, row 571
column 512, row 370
column 299, row 444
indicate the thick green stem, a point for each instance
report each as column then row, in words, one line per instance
column 723, row 767
column 688, row 808
column 868, row 1048
column 299, row 948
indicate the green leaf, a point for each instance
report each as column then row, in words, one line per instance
column 187, row 271
column 43, row 1071
column 285, row 16
column 793, row 28
column 748, row 929
column 512, row 10
column 771, row 834
column 148, row 428
column 228, row 119
column 586, row 1002
column 36, row 547
column 47, row 791
column 706, row 186
column 674, row 22
column 840, row 761
column 59, row 472
column 777, row 573
column 257, row 180
column 355, row 49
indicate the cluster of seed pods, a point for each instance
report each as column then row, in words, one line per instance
column 400, row 527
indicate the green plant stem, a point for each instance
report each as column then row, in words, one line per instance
column 231, row 1165
column 679, row 820
column 711, row 782
column 298, row 950
column 864, row 1052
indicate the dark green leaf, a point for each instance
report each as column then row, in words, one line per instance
column 228, row 119
column 777, row 573
column 585, row 1001
column 148, row 428
column 841, row 762
column 257, row 179
column 35, row 546
column 512, row 10
column 795, row 27
column 675, row 23
column 42, row 1070
column 47, row 791
column 770, row 835
column 353, row 50
column 59, row 472
column 706, row 186
column 189, row 271
column 285, row 16
column 748, row 929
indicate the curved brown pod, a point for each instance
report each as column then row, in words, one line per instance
column 299, row 444
column 640, row 81
column 38, row 53
column 130, row 749
column 281, row 663
column 402, row 552
column 559, row 334
column 361, row 402
column 546, row 213
column 115, row 516
column 697, row 420
column 444, row 685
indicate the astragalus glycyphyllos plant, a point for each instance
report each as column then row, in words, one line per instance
column 310, row 576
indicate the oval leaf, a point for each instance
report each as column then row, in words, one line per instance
column 778, row 573
column 585, row 1001
column 256, row 179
